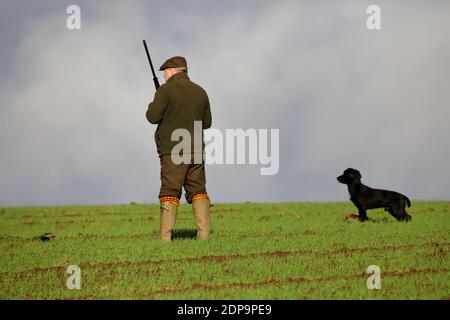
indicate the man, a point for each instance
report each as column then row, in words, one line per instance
column 176, row 105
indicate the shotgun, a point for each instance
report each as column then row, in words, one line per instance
column 155, row 79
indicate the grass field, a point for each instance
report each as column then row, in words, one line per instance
column 257, row 251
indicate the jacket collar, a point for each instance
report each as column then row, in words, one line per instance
column 178, row 76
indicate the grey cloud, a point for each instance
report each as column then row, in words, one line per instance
column 72, row 113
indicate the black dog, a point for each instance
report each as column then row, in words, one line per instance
column 365, row 198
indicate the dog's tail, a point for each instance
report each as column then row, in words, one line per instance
column 407, row 200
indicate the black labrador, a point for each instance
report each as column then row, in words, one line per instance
column 365, row 198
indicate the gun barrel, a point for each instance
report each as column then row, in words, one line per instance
column 155, row 79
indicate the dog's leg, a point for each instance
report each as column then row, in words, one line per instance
column 404, row 215
column 399, row 212
column 362, row 214
column 393, row 213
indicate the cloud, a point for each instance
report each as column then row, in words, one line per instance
column 72, row 118
column 73, row 128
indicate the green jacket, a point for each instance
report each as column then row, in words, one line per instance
column 177, row 104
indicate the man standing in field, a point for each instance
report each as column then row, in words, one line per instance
column 176, row 105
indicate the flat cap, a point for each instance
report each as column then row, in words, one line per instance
column 174, row 62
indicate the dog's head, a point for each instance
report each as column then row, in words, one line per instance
column 350, row 176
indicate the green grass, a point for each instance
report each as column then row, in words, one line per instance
column 257, row 251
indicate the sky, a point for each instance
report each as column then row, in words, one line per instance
column 72, row 102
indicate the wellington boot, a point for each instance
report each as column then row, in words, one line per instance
column 168, row 216
column 202, row 217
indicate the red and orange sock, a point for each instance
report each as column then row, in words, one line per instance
column 171, row 199
column 201, row 195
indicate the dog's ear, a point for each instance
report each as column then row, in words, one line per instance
column 354, row 174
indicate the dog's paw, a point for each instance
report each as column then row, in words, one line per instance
column 405, row 218
column 363, row 218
